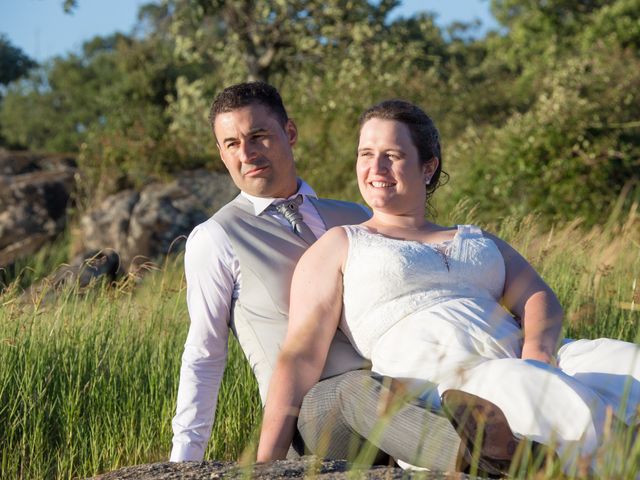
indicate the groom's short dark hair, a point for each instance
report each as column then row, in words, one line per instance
column 248, row 93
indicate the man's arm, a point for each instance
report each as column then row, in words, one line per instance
column 211, row 274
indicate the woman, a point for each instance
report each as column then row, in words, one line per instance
column 433, row 305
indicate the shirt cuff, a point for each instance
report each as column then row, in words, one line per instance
column 186, row 452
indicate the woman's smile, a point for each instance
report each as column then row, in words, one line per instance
column 382, row 184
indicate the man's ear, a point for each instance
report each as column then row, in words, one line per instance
column 292, row 132
column 220, row 153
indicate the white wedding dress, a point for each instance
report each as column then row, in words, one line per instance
column 431, row 315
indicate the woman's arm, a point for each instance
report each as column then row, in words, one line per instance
column 532, row 300
column 314, row 313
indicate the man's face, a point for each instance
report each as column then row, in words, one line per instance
column 256, row 149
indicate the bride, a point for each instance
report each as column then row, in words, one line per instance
column 434, row 307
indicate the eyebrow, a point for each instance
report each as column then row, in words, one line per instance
column 395, row 150
column 253, row 131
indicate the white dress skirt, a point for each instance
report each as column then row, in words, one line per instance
column 430, row 315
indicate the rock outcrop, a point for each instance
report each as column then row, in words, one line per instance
column 145, row 225
column 279, row 470
column 82, row 272
column 119, row 235
column 35, row 192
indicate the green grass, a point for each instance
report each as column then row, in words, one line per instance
column 88, row 380
column 28, row 269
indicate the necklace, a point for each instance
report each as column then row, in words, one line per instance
column 442, row 251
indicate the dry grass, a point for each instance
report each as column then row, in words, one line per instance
column 88, row 382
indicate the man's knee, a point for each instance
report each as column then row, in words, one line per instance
column 322, row 422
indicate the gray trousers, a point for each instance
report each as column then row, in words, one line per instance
column 341, row 418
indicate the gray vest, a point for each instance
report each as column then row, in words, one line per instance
column 268, row 254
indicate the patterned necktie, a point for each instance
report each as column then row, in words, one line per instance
column 289, row 210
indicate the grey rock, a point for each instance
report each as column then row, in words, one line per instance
column 107, row 226
column 309, row 466
column 81, row 273
column 18, row 163
column 35, row 192
column 103, row 264
column 147, row 225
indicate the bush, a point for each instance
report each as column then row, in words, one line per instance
column 571, row 154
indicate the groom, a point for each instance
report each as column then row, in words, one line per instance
column 238, row 266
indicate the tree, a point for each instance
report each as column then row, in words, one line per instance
column 265, row 40
column 573, row 153
column 53, row 108
column 13, row 62
column 542, row 31
column 531, row 117
column 69, row 5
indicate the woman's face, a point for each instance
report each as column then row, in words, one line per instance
column 390, row 175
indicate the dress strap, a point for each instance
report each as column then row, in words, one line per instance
column 469, row 231
column 350, row 229
column 354, row 232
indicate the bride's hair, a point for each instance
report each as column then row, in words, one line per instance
column 423, row 131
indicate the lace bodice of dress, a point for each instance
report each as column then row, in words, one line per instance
column 386, row 279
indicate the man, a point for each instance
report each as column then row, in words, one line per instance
column 238, row 267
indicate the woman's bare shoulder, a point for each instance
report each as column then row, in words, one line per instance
column 334, row 237
column 328, row 246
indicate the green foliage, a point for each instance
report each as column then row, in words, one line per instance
column 541, row 30
column 69, row 5
column 55, row 106
column 14, row 64
column 571, row 154
column 129, row 142
column 13, row 61
column 113, row 105
column 26, row 270
column 614, row 24
column 266, row 40
column 327, row 106
column 539, row 116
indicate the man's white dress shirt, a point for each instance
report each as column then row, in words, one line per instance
column 213, row 277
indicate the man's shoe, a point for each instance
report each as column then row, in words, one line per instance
column 484, row 431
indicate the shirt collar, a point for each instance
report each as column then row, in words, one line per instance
column 260, row 204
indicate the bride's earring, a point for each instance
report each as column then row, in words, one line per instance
column 429, row 170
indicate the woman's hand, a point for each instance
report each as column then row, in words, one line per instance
column 529, row 298
column 533, row 352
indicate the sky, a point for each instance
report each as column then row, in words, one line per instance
column 42, row 30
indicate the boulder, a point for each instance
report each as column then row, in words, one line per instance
column 146, row 225
column 106, row 226
column 18, row 163
column 304, row 467
column 81, row 273
column 35, row 192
